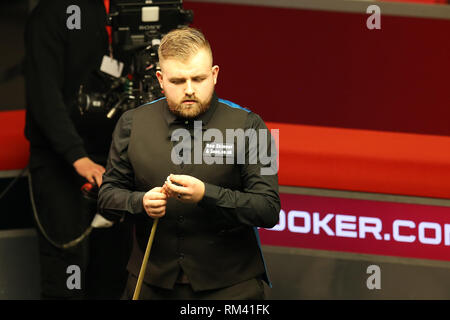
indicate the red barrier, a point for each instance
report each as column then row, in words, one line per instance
column 364, row 160
column 14, row 146
column 320, row 157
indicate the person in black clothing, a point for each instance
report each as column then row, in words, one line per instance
column 206, row 245
column 68, row 149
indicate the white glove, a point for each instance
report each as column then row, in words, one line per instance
column 100, row 222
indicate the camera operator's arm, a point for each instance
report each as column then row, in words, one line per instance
column 45, row 42
column 115, row 197
column 88, row 169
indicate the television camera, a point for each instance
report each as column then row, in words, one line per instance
column 137, row 27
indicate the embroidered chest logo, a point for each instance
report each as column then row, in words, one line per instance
column 219, row 149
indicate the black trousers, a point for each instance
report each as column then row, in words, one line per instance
column 252, row 289
column 64, row 215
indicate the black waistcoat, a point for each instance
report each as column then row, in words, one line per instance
column 213, row 251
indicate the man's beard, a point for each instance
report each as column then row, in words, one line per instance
column 189, row 110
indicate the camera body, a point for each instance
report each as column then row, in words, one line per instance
column 137, row 28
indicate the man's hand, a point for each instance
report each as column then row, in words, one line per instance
column 154, row 202
column 88, row 169
column 190, row 189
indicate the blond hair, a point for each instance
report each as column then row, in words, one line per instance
column 182, row 43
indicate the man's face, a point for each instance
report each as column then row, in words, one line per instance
column 188, row 85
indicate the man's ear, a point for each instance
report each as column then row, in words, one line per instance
column 215, row 73
column 159, row 75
